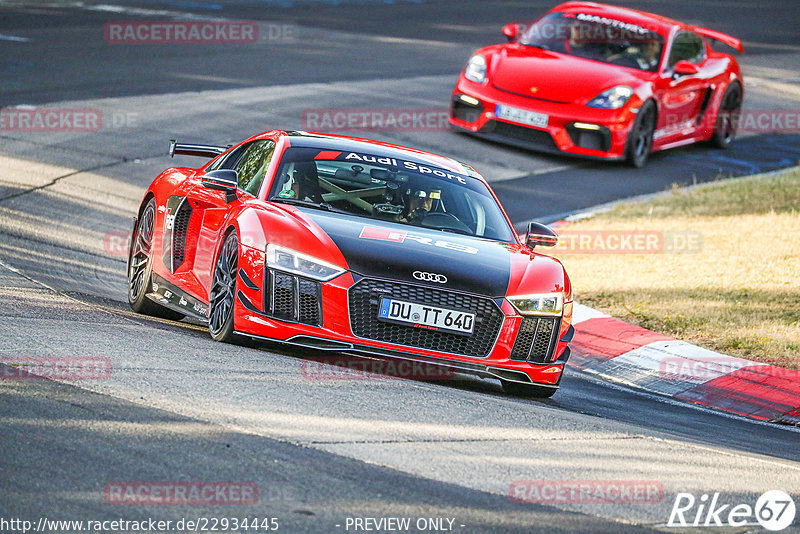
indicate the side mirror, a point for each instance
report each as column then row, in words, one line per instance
column 512, row 31
column 540, row 235
column 222, row 180
column 684, row 68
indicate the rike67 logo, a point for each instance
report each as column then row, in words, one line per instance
column 774, row 510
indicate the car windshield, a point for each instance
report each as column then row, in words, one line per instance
column 390, row 189
column 597, row 38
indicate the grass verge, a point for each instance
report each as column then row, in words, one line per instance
column 717, row 266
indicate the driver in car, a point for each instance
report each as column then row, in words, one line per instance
column 420, row 204
column 580, row 44
column 650, row 55
column 645, row 55
column 301, row 183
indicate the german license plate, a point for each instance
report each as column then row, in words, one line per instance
column 423, row 316
column 523, row 116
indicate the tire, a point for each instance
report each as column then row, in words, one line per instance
column 640, row 138
column 223, row 291
column 140, row 266
column 727, row 117
column 528, row 390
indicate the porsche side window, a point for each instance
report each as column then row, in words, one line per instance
column 687, row 46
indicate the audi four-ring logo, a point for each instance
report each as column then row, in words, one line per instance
column 430, row 277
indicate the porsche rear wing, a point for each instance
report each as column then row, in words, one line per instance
column 188, row 149
column 721, row 37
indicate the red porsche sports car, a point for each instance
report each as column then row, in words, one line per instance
column 601, row 81
column 343, row 244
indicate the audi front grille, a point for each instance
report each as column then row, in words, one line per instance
column 364, row 301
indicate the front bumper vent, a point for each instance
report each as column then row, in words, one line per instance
column 529, row 136
column 289, row 297
column 536, row 339
column 599, row 139
column 464, row 111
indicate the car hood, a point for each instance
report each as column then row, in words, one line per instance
column 537, row 73
column 397, row 251
column 393, row 251
column 380, row 249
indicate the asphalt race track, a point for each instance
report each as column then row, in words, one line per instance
column 179, row 407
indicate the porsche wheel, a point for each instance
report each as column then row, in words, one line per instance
column 140, row 266
column 727, row 117
column 528, row 390
column 223, row 291
column 640, row 138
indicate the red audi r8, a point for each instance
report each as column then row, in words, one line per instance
column 601, row 81
column 343, row 244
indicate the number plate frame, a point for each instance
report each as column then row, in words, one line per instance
column 415, row 315
column 522, row 116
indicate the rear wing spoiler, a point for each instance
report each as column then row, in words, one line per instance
column 721, row 37
column 189, row 149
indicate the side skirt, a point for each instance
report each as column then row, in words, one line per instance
column 170, row 296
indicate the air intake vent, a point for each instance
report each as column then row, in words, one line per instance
column 180, row 229
column 292, row 298
column 536, row 339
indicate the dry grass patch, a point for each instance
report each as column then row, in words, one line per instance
column 739, row 294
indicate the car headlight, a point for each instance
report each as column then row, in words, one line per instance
column 613, row 98
column 542, row 304
column 476, row 69
column 286, row 259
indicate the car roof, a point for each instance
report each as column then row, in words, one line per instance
column 651, row 21
column 344, row 143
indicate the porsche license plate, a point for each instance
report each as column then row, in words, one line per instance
column 523, row 116
column 423, row 316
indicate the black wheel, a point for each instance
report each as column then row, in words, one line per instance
column 140, row 266
column 640, row 138
column 528, row 390
column 727, row 117
column 223, row 291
